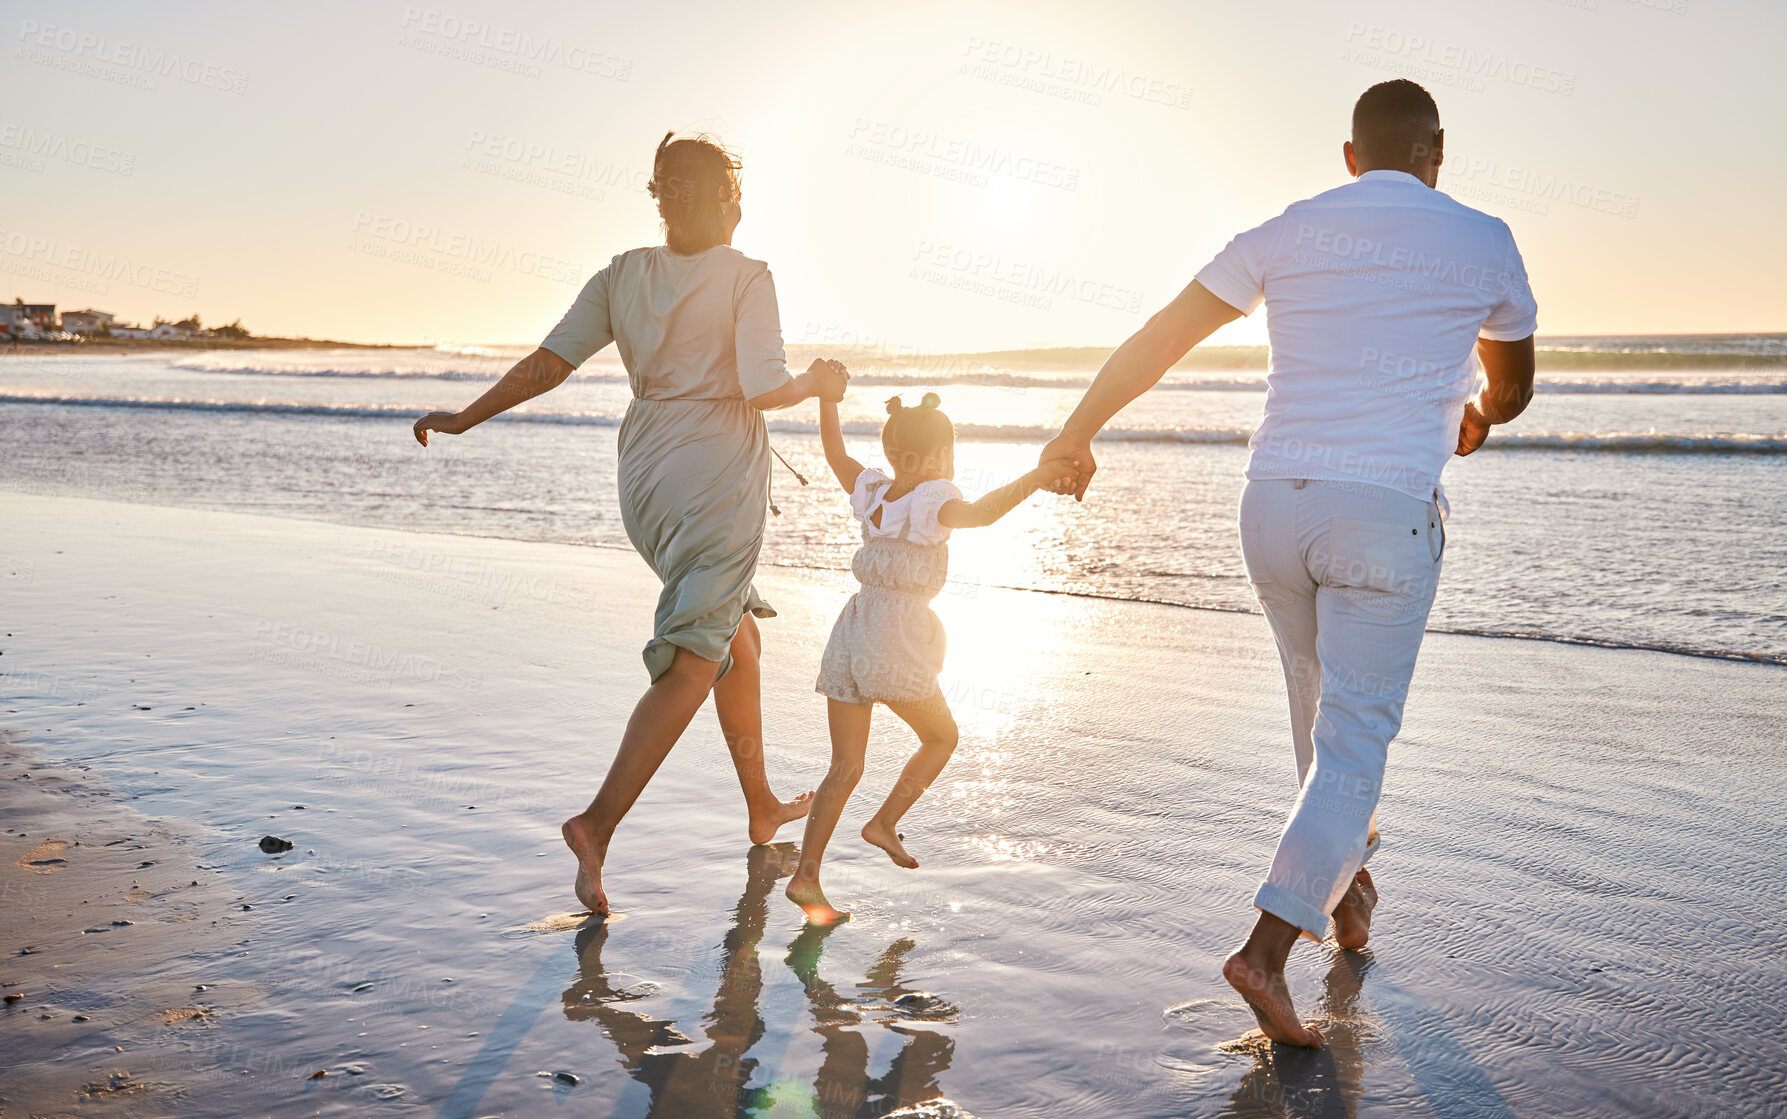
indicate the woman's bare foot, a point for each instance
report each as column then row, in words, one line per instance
column 590, row 852
column 805, row 892
column 888, row 840
column 765, row 823
column 1269, row 997
column 1352, row 917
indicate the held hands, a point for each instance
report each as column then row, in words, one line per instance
column 1472, row 431
column 1076, row 452
column 1057, row 475
column 447, row 423
column 830, row 379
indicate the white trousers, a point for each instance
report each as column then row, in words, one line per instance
column 1346, row 573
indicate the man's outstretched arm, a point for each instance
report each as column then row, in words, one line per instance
column 1508, row 372
column 1135, row 367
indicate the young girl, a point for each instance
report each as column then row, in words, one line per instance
column 887, row 646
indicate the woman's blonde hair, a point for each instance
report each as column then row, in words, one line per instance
column 695, row 182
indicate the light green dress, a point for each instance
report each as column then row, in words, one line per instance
column 698, row 334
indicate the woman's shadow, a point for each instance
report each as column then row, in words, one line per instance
column 716, row 1080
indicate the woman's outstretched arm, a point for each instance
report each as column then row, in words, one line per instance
column 977, row 514
column 538, row 372
column 831, row 437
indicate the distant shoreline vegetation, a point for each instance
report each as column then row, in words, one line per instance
column 252, row 342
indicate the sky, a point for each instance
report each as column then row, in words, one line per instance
column 922, row 177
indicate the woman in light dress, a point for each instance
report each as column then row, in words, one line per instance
column 698, row 330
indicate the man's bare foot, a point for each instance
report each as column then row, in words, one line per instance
column 1269, row 997
column 1352, row 917
column 590, row 854
column 765, row 824
column 888, row 840
column 805, row 892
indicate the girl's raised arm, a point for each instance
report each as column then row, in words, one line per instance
column 831, row 436
column 977, row 514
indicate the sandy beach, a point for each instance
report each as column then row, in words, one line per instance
column 1581, row 872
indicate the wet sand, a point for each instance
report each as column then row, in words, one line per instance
column 1581, row 874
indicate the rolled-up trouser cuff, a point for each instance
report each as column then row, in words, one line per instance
column 1286, row 906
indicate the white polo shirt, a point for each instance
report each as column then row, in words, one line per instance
column 1375, row 293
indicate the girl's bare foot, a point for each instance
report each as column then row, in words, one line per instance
column 805, row 892
column 590, row 853
column 1269, row 997
column 766, row 822
column 888, row 840
column 1352, row 917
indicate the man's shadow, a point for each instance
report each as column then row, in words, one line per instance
column 691, row 1083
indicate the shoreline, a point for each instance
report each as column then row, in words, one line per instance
column 1737, row 656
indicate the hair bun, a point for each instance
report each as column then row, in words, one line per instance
column 931, row 400
column 895, row 406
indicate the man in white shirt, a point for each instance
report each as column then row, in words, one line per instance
column 1376, row 293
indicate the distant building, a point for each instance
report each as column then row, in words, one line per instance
column 27, row 320
column 163, row 331
column 129, row 332
column 86, row 322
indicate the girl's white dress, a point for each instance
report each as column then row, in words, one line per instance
column 887, row 645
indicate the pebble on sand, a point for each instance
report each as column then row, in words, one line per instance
column 273, row 845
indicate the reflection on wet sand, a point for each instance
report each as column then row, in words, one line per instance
column 691, row 1083
column 843, row 1086
column 1320, row 1083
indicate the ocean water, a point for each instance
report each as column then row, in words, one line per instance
column 1638, row 502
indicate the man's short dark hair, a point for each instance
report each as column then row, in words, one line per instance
column 1393, row 120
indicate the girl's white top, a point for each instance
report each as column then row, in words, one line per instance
column 912, row 517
